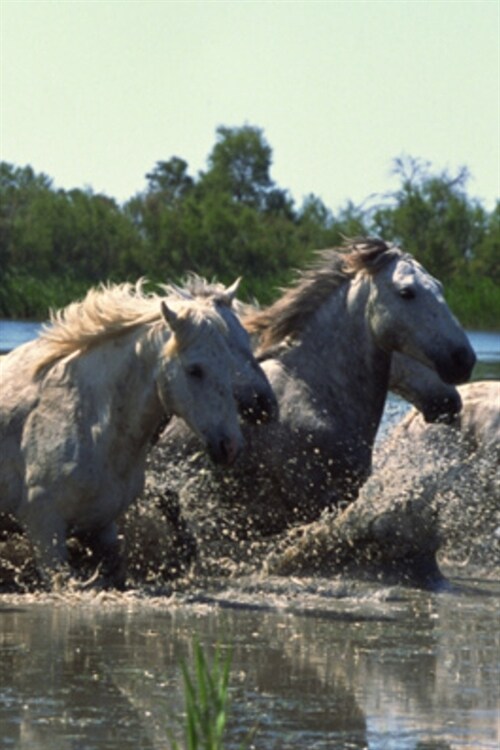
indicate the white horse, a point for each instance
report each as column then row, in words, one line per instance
column 458, row 469
column 81, row 404
column 326, row 346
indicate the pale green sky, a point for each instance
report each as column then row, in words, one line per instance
column 94, row 93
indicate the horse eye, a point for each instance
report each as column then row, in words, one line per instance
column 407, row 292
column 195, row 371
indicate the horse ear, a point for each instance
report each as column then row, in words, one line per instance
column 169, row 315
column 230, row 292
column 182, row 292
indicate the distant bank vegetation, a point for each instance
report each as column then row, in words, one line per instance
column 233, row 220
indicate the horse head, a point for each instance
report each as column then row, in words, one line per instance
column 253, row 393
column 407, row 313
column 195, row 378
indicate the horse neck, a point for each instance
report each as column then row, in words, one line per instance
column 337, row 358
column 129, row 369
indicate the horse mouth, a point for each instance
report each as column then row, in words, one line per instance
column 225, row 450
column 443, row 412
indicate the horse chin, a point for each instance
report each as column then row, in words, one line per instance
column 443, row 412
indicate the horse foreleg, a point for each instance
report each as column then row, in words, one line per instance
column 46, row 530
column 108, row 548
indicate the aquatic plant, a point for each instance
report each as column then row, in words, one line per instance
column 206, row 700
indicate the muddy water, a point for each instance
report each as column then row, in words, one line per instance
column 316, row 663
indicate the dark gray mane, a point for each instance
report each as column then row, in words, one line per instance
column 314, row 285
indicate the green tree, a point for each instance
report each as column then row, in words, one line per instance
column 239, row 165
column 54, row 243
column 233, row 220
column 169, row 181
column 431, row 217
column 484, row 257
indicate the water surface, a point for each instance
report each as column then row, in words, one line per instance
column 315, row 664
column 16, row 332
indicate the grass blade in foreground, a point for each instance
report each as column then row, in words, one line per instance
column 206, row 699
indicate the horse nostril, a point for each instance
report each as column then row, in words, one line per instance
column 225, row 450
column 443, row 410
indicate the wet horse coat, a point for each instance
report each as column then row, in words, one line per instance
column 326, row 346
column 81, row 404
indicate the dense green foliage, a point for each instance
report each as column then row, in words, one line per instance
column 233, row 220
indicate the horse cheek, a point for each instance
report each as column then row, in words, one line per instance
column 167, row 387
column 383, row 330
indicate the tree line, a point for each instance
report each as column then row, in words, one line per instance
column 233, row 220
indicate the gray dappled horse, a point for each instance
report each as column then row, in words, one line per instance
column 81, row 404
column 326, row 346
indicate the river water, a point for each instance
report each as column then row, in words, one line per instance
column 317, row 663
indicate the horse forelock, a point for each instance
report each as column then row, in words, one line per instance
column 332, row 268
column 369, row 254
column 195, row 321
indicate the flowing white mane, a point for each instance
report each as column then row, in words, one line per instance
column 109, row 311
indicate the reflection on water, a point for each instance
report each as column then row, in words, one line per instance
column 326, row 666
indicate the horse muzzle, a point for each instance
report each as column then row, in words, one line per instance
column 457, row 367
column 442, row 410
column 224, row 449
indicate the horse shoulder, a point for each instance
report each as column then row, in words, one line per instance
column 57, row 441
column 298, row 406
column 18, row 385
column 18, row 396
